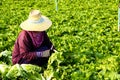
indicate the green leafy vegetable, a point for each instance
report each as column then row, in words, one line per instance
column 84, row 31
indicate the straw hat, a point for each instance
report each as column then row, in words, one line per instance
column 36, row 22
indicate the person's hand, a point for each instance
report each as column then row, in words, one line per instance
column 45, row 53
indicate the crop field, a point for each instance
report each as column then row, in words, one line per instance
column 84, row 32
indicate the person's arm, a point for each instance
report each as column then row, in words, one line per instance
column 24, row 50
column 48, row 42
column 27, row 51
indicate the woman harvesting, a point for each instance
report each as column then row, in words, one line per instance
column 33, row 45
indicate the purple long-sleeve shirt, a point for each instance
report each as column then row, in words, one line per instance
column 26, row 46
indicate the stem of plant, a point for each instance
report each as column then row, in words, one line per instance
column 56, row 2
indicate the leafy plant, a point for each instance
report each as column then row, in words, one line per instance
column 84, row 31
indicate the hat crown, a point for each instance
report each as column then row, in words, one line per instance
column 34, row 15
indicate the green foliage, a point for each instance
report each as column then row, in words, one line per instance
column 52, row 70
column 3, row 71
column 15, row 72
column 24, row 71
column 84, row 31
column 5, row 57
column 31, row 68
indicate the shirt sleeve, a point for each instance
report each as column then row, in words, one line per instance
column 25, row 48
column 48, row 42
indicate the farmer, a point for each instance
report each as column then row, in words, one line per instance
column 33, row 45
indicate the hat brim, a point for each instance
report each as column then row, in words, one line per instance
column 29, row 26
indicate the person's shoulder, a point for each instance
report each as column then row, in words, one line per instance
column 22, row 34
column 44, row 32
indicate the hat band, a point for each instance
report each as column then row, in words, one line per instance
column 37, row 21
